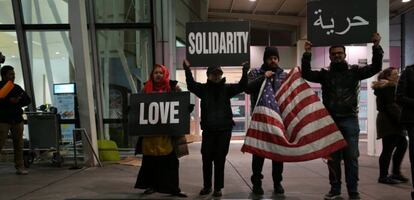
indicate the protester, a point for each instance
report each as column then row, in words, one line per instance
column 216, row 121
column 159, row 170
column 388, row 127
column 405, row 97
column 340, row 87
column 12, row 99
column 270, row 69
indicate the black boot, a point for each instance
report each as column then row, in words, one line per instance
column 278, row 189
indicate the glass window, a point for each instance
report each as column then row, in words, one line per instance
column 45, row 11
column 51, row 59
column 6, row 12
column 125, row 59
column 10, row 49
column 125, row 11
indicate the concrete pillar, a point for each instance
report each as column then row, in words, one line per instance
column 165, row 34
column 383, row 26
column 83, row 75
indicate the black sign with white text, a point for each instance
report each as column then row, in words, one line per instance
column 218, row 43
column 339, row 22
column 159, row 114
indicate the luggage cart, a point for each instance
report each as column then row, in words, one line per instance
column 44, row 137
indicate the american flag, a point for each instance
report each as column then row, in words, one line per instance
column 292, row 124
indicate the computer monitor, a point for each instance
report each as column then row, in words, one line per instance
column 64, row 88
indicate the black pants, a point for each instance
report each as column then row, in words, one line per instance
column 410, row 130
column 257, row 167
column 389, row 143
column 214, row 149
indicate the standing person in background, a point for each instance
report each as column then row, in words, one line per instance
column 340, row 88
column 216, row 121
column 12, row 100
column 269, row 69
column 389, row 128
column 405, row 97
column 159, row 170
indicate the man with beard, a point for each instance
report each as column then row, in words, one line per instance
column 340, row 88
column 270, row 69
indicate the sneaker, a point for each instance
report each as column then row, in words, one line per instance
column 21, row 171
column 217, row 193
column 387, row 180
column 332, row 195
column 278, row 189
column 354, row 196
column 205, row 191
column 399, row 177
column 258, row 190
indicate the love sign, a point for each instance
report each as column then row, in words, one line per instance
column 159, row 114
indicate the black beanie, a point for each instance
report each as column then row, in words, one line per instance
column 270, row 51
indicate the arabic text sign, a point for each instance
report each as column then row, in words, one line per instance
column 218, row 43
column 338, row 22
column 159, row 114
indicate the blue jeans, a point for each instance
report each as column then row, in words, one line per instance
column 349, row 128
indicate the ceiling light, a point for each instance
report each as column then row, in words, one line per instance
column 57, row 52
column 252, row 0
column 405, row 1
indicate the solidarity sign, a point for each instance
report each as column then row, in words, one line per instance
column 159, row 114
column 333, row 22
column 218, row 43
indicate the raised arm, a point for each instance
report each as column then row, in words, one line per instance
column 235, row 89
column 192, row 85
column 376, row 64
column 307, row 73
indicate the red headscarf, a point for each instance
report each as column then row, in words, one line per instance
column 163, row 86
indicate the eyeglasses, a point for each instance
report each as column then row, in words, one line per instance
column 336, row 53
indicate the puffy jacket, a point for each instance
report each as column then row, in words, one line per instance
column 256, row 78
column 216, row 113
column 9, row 112
column 388, row 110
column 405, row 95
column 340, row 83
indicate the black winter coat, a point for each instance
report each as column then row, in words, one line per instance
column 9, row 112
column 340, row 87
column 405, row 95
column 388, row 110
column 216, row 113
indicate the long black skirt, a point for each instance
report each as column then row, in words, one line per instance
column 159, row 173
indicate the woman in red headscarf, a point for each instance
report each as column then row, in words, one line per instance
column 159, row 169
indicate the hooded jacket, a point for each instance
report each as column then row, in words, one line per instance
column 216, row 112
column 388, row 110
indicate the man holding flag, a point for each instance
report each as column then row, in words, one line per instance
column 340, row 87
column 12, row 99
column 272, row 71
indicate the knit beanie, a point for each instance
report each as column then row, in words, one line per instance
column 270, row 51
